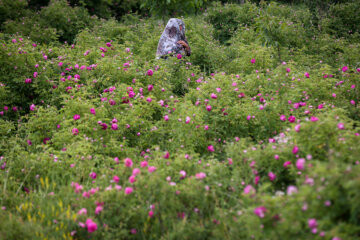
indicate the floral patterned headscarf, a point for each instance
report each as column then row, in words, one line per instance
column 173, row 32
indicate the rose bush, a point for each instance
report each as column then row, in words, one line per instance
column 100, row 140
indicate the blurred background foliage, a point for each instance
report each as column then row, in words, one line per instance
column 46, row 20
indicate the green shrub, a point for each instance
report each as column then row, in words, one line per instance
column 56, row 21
column 279, row 26
column 33, row 28
column 207, row 53
column 227, row 19
column 166, row 8
column 12, row 10
column 342, row 20
column 66, row 20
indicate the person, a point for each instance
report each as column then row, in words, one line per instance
column 173, row 40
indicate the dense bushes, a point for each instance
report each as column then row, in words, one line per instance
column 342, row 20
column 165, row 8
column 255, row 134
column 11, row 10
column 226, row 20
column 107, row 9
column 65, row 19
column 276, row 24
column 56, row 21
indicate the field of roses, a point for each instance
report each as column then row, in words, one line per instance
column 256, row 135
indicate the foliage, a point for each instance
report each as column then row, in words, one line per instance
column 56, row 21
column 11, row 10
column 109, row 8
column 100, row 140
column 67, row 20
column 166, row 8
column 342, row 20
column 33, row 28
column 227, row 19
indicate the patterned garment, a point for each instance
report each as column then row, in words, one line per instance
column 168, row 43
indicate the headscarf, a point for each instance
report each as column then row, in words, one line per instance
column 170, row 36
